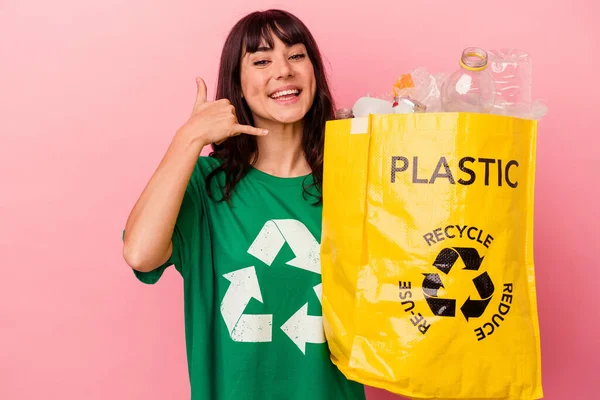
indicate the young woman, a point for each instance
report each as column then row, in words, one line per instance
column 242, row 226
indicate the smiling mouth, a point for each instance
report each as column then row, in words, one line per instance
column 286, row 94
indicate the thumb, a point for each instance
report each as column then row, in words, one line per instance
column 201, row 95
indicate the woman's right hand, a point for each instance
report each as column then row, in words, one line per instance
column 150, row 226
column 214, row 121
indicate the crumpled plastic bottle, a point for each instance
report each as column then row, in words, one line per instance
column 422, row 86
column 512, row 71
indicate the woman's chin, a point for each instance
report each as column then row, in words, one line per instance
column 281, row 116
column 288, row 117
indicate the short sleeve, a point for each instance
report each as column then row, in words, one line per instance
column 186, row 230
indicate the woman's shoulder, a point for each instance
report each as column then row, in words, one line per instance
column 199, row 179
column 206, row 164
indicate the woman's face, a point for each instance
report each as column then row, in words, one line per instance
column 279, row 83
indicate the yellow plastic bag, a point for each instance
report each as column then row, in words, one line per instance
column 427, row 254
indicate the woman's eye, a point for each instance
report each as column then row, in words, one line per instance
column 260, row 62
column 298, row 56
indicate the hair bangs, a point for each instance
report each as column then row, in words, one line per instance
column 263, row 26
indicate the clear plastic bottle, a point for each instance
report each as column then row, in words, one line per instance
column 512, row 72
column 472, row 87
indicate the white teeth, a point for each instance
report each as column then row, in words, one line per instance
column 284, row 93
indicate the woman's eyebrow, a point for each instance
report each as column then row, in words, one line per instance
column 265, row 48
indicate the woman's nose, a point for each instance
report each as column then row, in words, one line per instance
column 283, row 69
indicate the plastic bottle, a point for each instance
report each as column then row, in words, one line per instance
column 511, row 69
column 471, row 88
column 406, row 105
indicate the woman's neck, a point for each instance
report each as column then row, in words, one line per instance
column 280, row 153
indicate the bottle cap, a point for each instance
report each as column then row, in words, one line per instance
column 344, row 113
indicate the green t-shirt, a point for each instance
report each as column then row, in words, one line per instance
column 252, row 291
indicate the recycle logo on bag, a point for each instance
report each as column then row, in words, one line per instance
column 460, row 269
column 446, row 262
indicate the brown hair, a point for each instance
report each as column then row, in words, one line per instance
column 246, row 36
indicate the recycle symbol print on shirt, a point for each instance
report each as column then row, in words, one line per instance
column 300, row 327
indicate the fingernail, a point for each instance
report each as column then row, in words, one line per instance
column 265, row 132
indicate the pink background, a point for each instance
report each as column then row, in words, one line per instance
column 91, row 94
